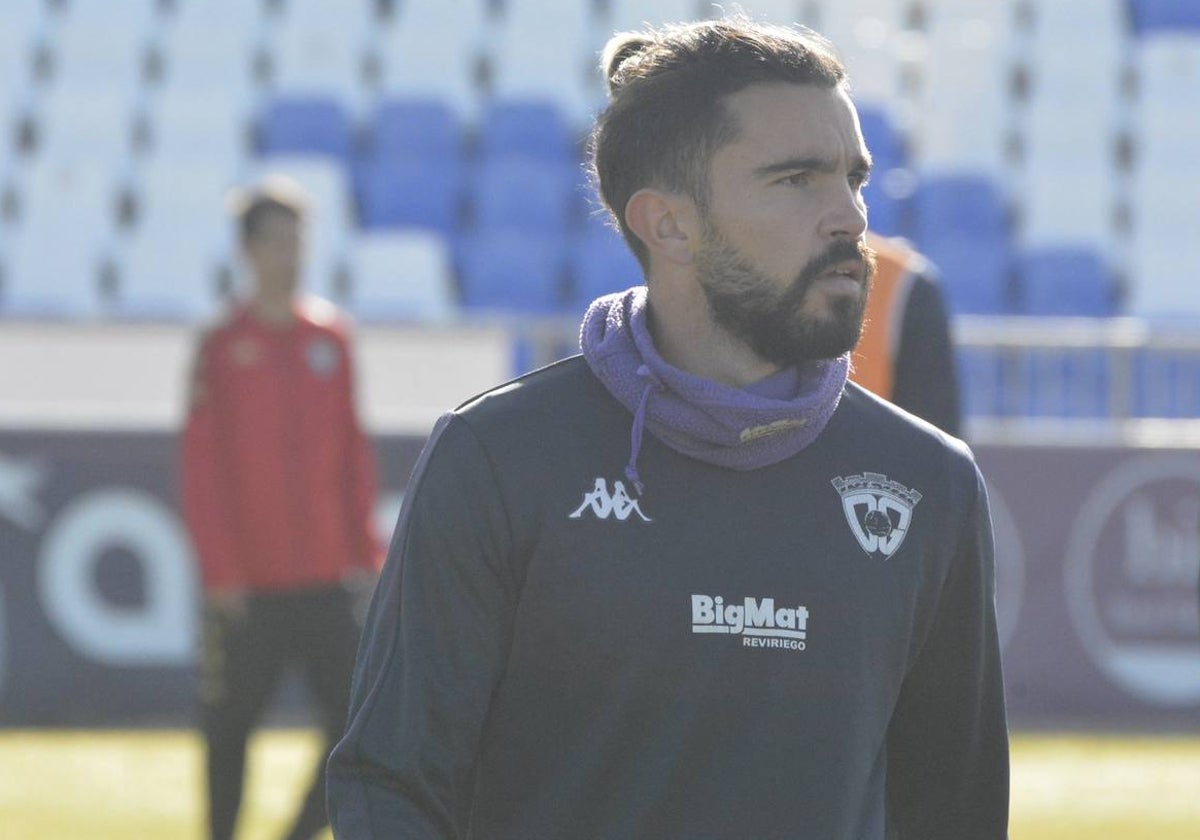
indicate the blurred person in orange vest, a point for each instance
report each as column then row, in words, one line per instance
column 906, row 354
column 278, row 491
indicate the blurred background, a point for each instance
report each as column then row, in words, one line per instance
column 1042, row 153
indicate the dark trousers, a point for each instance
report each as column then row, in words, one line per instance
column 244, row 656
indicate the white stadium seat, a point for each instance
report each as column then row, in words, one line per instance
column 167, row 272
column 431, row 49
column 55, row 251
column 401, row 275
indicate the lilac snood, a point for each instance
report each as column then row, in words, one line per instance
column 715, row 423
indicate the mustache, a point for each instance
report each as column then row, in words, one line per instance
column 843, row 250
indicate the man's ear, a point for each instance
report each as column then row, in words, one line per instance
column 665, row 222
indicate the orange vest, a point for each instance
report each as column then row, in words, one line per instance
column 874, row 358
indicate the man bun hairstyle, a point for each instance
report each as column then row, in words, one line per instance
column 666, row 115
column 620, row 47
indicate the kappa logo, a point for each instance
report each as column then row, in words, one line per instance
column 603, row 504
column 879, row 510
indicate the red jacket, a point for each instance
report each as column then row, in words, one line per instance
column 278, row 481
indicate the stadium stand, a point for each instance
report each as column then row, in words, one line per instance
column 1040, row 184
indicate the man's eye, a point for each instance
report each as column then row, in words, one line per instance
column 858, row 180
column 797, row 179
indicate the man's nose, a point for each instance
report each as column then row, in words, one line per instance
column 847, row 214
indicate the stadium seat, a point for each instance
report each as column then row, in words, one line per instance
column 190, row 195
column 401, row 275
column 526, row 128
column 960, row 225
column 56, row 249
column 209, row 50
column 1065, row 281
column 86, row 123
column 1069, row 177
column 966, row 71
column 166, row 272
column 409, row 191
column 530, row 195
column 544, row 49
column 975, row 274
column 426, row 128
column 951, row 206
column 306, row 126
column 1167, row 110
column 22, row 26
column 320, row 48
column 511, row 271
column 431, row 48
column 1153, row 16
column 1164, row 247
column 600, row 262
column 202, row 127
column 97, row 43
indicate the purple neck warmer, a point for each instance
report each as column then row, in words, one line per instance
column 715, row 423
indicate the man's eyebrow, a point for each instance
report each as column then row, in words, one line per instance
column 813, row 162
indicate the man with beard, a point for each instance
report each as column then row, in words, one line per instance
column 691, row 583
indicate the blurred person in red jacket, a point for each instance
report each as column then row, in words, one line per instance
column 278, row 491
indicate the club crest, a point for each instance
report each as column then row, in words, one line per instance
column 878, row 510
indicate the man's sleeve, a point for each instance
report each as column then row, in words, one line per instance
column 947, row 772
column 360, row 478
column 926, row 377
column 204, row 481
column 432, row 654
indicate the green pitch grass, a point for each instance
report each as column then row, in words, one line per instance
column 109, row 785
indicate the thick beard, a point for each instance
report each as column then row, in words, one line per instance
column 747, row 304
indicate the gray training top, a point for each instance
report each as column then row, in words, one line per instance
column 806, row 650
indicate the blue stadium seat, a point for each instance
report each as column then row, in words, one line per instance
column 953, row 205
column 307, row 126
column 1164, row 15
column 532, row 195
column 526, row 128
column 600, row 263
column 1065, row 281
column 409, row 191
column 961, row 224
column 512, row 271
column 427, row 128
column 975, row 274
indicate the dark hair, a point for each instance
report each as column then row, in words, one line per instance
column 666, row 115
column 275, row 194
